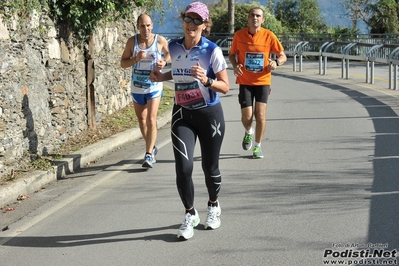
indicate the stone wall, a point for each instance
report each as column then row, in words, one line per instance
column 44, row 95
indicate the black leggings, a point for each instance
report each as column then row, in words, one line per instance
column 208, row 125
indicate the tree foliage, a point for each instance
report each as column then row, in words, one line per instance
column 302, row 16
column 79, row 16
column 219, row 15
column 382, row 16
column 356, row 10
column 343, row 33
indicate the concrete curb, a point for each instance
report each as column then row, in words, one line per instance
column 71, row 163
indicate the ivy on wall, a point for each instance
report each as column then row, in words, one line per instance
column 79, row 16
column 20, row 7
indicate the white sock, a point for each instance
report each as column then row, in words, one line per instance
column 250, row 131
column 257, row 144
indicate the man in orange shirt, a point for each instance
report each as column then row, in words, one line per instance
column 250, row 57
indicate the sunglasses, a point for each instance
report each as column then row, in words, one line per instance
column 197, row 21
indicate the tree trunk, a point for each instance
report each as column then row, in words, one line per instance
column 230, row 12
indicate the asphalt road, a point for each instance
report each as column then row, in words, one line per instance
column 326, row 190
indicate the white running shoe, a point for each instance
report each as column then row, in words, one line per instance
column 154, row 152
column 186, row 230
column 148, row 161
column 213, row 220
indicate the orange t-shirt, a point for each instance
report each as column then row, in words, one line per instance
column 253, row 52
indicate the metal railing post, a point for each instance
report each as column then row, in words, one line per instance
column 320, row 64
column 372, row 73
column 321, row 57
column 342, row 67
column 325, row 65
column 393, row 67
column 345, row 52
column 325, row 57
column 296, row 51
column 303, row 44
column 371, row 59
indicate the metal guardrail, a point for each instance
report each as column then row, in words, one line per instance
column 346, row 51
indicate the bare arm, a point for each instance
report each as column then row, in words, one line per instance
column 236, row 66
column 219, row 85
column 165, row 48
column 127, row 60
column 282, row 58
column 233, row 61
column 222, row 83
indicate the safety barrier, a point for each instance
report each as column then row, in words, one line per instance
column 345, row 51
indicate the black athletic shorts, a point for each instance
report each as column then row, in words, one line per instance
column 247, row 94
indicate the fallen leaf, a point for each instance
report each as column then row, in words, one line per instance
column 22, row 197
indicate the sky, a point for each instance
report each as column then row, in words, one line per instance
column 172, row 22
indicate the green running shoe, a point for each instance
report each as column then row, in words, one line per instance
column 247, row 141
column 257, row 153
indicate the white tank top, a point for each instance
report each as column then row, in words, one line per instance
column 141, row 70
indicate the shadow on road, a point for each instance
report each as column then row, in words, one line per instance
column 92, row 239
column 384, row 207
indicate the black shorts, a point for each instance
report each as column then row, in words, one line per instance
column 247, row 94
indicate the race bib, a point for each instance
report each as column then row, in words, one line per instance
column 141, row 73
column 141, row 78
column 189, row 95
column 254, row 62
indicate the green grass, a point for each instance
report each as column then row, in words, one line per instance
column 125, row 118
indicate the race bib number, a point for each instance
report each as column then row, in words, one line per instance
column 189, row 95
column 254, row 62
column 142, row 72
column 141, row 78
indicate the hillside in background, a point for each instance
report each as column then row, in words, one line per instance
column 333, row 13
